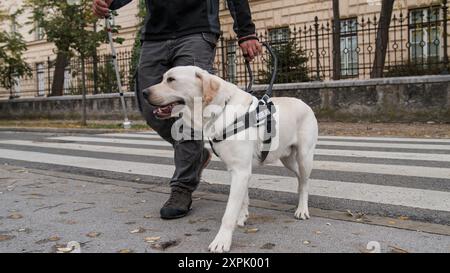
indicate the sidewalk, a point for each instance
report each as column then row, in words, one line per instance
column 42, row 211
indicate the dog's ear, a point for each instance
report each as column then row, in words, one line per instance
column 211, row 86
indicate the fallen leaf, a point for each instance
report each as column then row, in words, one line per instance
column 391, row 222
column 152, row 239
column 15, row 216
column 71, row 222
column 54, row 239
column 48, row 240
column 6, row 237
column 121, row 210
column 403, row 218
column 124, row 251
column 350, row 213
column 268, row 246
column 396, row 249
column 138, row 230
column 164, row 245
column 93, row 234
column 251, row 230
column 203, row 230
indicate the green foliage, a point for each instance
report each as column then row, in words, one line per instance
column 134, row 62
column 68, row 27
column 106, row 78
column 291, row 65
column 12, row 46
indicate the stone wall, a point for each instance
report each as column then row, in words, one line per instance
column 390, row 99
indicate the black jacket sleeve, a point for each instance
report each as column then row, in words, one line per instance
column 240, row 11
column 117, row 4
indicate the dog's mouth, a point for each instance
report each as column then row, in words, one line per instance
column 165, row 111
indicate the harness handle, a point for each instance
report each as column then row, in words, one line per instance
column 274, row 71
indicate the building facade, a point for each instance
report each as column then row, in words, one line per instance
column 416, row 35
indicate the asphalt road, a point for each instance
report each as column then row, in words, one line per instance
column 399, row 185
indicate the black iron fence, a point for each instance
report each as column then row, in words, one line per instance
column 417, row 45
column 100, row 77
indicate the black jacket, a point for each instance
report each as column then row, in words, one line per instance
column 169, row 19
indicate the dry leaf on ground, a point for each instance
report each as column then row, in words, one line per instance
column 15, row 216
column 6, row 237
column 268, row 246
column 93, row 234
column 152, row 239
column 251, row 230
column 164, row 245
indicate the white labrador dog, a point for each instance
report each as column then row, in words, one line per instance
column 221, row 103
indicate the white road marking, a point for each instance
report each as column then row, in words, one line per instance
column 417, row 198
column 417, row 171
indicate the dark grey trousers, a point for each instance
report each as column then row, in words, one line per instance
column 157, row 57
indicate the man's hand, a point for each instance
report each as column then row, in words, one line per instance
column 101, row 7
column 250, row 48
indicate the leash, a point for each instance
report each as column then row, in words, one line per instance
column 248, row 67
column 126, row 123
column 262, row 114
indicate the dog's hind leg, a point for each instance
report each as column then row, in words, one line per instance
column 243, row 215
column 305, row 165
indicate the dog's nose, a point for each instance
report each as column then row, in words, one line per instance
column 146, row 93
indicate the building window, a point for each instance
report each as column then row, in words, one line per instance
column 424, row 34
column 39, row 32
column 231, row 60
column 67, row 81
column 349, row 47
column 13, row 25
column 40, row 77
column 279, row 36
column 16, row 88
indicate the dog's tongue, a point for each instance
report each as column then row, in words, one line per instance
column 163, row 111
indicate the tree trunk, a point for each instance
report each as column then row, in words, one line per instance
column 336, row 41
column 387, row 7
column 62, row 60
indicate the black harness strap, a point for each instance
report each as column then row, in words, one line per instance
column 263, row 114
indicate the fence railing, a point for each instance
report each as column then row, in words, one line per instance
column 417, row 45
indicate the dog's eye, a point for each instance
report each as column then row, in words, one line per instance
column 170, row 79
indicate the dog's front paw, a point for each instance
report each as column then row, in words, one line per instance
column 222, row 243
column 302, row 213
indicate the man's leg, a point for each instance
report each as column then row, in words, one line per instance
column 153, row 63
column 190, row 155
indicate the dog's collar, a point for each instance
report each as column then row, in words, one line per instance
column 260, row 112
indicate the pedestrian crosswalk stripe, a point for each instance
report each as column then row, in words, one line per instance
column 417, row 198
column 156, row 152
column 113, row 140
column 417, row 171
column 161, row 142
column 387, row 145
column 323, row 138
